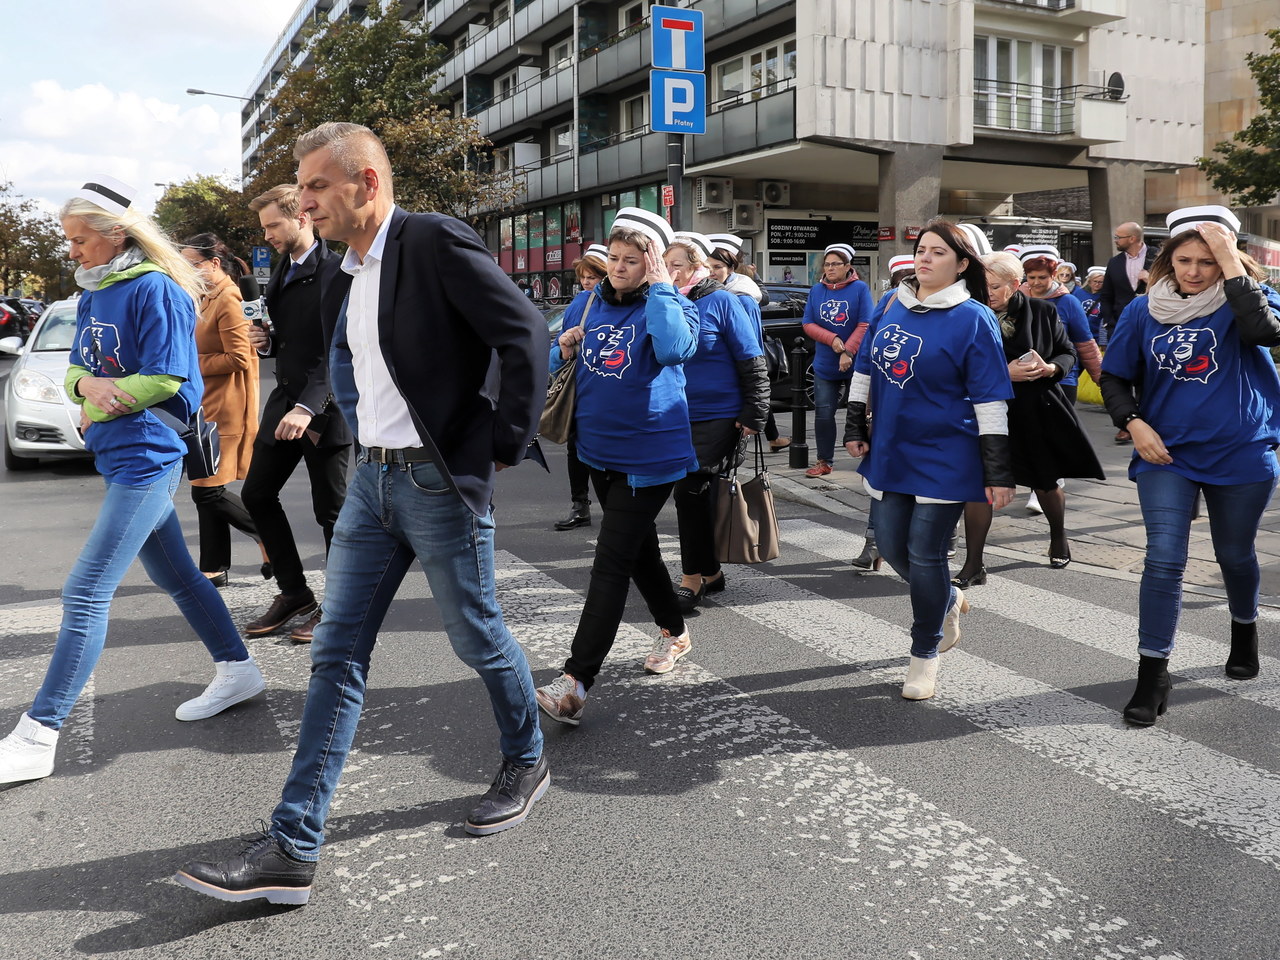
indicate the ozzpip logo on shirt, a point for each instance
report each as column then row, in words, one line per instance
column 894, row 352
column 835, row 311
column 1187, row 354
column 99, row 349
column 607, row 350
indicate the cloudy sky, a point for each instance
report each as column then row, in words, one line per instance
column 94, row 87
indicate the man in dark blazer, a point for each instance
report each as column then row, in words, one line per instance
column 299, row 422
column 1126, row 278
column 439, row 364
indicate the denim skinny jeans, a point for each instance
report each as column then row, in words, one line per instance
column 826, row 400
column 913, row 538
column 1235, row 511
column 133, row 522
column 393, row 514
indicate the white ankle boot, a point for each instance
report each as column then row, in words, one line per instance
column 951, row 622
column 27, row 753
column 235, row 682
column 922, row 677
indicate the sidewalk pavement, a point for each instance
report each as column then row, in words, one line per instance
column 1104, row 522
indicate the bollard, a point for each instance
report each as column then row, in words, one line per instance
column 799, row 450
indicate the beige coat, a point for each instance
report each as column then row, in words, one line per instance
column 229, row 366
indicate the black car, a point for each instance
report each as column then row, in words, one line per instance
column 16, row 318
column 781, row 318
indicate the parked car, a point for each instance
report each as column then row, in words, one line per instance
column 781, row 320
column 14, row 319
column 40, row 420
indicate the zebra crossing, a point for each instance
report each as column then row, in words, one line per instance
column 773, row 796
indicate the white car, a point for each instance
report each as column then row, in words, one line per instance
column 40, row 420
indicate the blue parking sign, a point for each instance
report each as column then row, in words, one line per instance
column 678, row 101
column 261, row 257
column 677, row 39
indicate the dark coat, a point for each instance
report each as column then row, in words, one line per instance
column 297, row 343
column 466, row 349
column 1045, row 435
column 1116, row 293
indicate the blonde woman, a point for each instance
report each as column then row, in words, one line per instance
column 134, row 349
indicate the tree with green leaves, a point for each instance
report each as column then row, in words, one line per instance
column 379, row 72
column 1247, row 168
column 32, row 249
column 208, row 204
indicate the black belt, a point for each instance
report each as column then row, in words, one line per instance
column 400, row 455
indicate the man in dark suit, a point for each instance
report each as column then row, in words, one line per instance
column 439, row 364
column 299, row 422
column 1126, row 278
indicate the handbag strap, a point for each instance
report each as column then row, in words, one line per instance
column 591, row 298
column 183, row 430
column 760, row 464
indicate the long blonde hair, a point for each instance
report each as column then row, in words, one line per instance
column 148, row 237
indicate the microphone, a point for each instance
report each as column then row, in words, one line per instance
column 252, row 293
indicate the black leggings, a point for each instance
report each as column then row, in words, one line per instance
column 695, row 513
column 218, row 512
column 579, row 474
column 627, row 549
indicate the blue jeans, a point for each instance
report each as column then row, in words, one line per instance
column 133, row 522
column 826, row 400
column 913, row 538
column 393, row 514
column 1235, row 511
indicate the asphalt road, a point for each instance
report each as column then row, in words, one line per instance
column 772, row 797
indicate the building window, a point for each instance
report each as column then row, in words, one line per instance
column 561, row 54
column 504, row 84
column 630, row 14
column 500, row 12
column 1023, row 85
column 561, row 141
column 755, row 73
column 635, row 115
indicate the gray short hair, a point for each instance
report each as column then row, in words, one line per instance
column 352, row 146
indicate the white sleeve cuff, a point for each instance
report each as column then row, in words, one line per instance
column 859, row 388
column 993, row 417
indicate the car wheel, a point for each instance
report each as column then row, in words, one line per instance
column 14, row 462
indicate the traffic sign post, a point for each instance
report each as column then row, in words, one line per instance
column 677, row 89
column 260, row 257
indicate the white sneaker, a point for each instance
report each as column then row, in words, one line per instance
column 951, row 622
column 667, row 650
column 235, row 682
column 1033, row 504
column 27, row 753
column 922, row 677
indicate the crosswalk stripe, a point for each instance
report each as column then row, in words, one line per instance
column 1234, row 800
column 787, row 780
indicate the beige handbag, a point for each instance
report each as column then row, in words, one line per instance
column 746, row 523
column 556, row 422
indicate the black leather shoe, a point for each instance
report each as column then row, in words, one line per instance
column 262, row 870
column 510, row 798
column 973, row 580
column 714, row 586
column 579, row 516
column 1151, row 696
column 283, row 608
column 1242, row 664
column 687, row 600
column 219, row 579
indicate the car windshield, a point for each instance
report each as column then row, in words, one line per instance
column 57, row 331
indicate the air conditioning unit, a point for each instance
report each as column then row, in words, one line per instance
column 747, row 217
column 774, row 193
column 713, row 193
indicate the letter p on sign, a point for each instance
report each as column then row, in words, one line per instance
column 679, row 101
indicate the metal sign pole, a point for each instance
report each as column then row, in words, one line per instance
column 675, row 177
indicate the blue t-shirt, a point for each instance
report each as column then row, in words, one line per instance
column 839, row 311
column 145, row 325
column 632, row 415
column 1091, row 303
column 1071, row 313
column 1214, row 401
column 726, row 336
column 927, row 370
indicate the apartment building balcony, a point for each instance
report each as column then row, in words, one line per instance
column 1078, row 114
column 722, row 16
column 534, row 16
column 621, row 157
column 548, row 178
column 748, row 121
column 487, row 52
column 620, row 56
column 449, row 15
column 1078, row 13
column 529, row 103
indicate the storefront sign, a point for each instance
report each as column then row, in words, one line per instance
column 812, row 234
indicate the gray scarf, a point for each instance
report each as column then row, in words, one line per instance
column 90, row 278
column 1172, row 308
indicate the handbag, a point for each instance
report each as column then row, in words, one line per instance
column 775, row 356
column 204, row 449
column 556, row 422
column 746, row 523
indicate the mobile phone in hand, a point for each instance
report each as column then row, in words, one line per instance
column 1027, row 357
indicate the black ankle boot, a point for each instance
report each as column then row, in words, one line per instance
column 579, row 516
column 1243, row 662
column 870, row 558
column 1151, row 696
